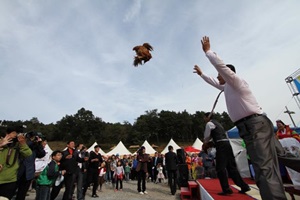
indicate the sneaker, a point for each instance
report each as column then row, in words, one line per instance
column 141, row 192
column 145, row 192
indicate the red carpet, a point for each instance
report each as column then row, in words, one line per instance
column 212, row 186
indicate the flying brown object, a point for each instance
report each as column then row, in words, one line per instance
column 142, row 54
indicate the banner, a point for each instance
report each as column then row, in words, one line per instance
column 297, row 83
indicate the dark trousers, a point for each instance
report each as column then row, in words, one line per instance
column 141, row 175
column 133, row 174
column 8, row 189
column 22, row 185
column 113, row 180
column 42, row 192
column 69, row 182
column 92, row 177
column 154, row 173
column 55, row 191
column 172, row 179
column 118, row 180
column 258, row 134
column 225, row 163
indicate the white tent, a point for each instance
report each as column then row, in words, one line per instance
column 198, row 144
column 92, row 149
column 119, row 149
column 172, row 143
column 149, row 148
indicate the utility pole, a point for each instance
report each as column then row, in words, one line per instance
column 289, row 113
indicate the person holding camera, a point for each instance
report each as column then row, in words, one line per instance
column 26, row 172
column 11, row 148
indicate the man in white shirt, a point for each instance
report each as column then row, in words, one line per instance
column 256, row 129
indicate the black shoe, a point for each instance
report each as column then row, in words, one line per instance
column 225, row 193
column 244, row 190
column 95, row 196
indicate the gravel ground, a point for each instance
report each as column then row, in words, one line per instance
column 159, row 191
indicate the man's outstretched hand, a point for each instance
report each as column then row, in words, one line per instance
column 205, row 44
column 197, row 70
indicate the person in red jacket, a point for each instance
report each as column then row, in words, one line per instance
column 284, row 131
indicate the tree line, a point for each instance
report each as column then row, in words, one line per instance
column 156, row 127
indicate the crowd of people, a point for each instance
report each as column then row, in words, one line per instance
column 26, row 164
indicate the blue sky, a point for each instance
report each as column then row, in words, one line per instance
column 59, row 56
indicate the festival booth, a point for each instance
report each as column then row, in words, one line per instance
column 91, row 148
column 119, row 149
column 197, row 144
column 173, row 144
column 149, row 148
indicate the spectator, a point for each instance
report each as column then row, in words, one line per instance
column 127, row 171
column 47, row 177
column 93, row 172
column 26, row 172
column 12, row 147
column 142, row 170
column 171, row 165
column 284, row 131
column 102, row 172
column 155, row 160
column 119, row 175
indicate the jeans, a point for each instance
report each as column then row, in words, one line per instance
column 42, row 192
column 80, row 182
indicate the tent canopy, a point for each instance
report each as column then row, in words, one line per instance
column 198, row 144
column 92, row 149
column 191, row 149
column 149, row 149
column 119, row 149
column 172, row 143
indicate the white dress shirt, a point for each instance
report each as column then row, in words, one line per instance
column 240, row 101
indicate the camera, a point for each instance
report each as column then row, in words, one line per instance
column 34, row 136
